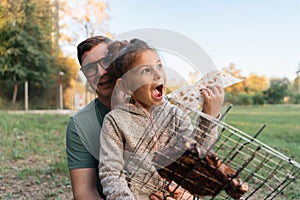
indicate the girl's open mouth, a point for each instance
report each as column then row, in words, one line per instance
column 158, row 92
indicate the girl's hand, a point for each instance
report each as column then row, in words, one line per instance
column 213, row 99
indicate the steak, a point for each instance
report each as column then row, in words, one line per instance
column 205, row 176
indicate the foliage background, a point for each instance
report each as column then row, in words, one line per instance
column 33, row 34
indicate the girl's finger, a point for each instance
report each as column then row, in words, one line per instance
column 205, row 94
column 214, row 89
column 221, row 90
column 156, row 196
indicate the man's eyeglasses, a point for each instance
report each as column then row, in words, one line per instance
column 91, row 69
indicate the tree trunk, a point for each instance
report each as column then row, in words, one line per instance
column 15, row 92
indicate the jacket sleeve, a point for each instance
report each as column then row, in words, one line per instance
column 111, row 162
column 200, row 129
column 206, row 133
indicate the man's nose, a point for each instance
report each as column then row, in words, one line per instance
column 101, row 71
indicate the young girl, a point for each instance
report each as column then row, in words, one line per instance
column 132, row 131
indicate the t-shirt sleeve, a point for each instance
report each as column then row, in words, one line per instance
column 78, row 156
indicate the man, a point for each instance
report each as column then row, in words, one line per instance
column 86, row 123
column 82, row 137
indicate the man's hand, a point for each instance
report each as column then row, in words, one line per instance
column 213, row 100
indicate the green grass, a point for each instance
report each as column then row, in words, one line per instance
column 33, row 145
column 283, row 125
column 42, row 136
column 33, row 153
column 282, row 132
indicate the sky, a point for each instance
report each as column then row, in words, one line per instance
column 258, row 36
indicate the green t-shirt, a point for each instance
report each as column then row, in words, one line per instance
column 82, row 137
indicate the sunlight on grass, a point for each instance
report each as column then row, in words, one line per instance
column 282, row 132
column 283, row 128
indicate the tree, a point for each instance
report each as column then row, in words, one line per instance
column 88, row 16
column 238, row 87
column 70, row 69
column 32, row 32
column 277, row 90
column 25, row 43
column 296, row 83
column 255, row 84
column 295, row 88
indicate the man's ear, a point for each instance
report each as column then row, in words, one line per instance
column 122, row 84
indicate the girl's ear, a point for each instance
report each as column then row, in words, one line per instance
column 121, row 83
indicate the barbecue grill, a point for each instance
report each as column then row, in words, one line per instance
column 268, row 173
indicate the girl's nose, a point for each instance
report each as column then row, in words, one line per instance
column 157, row 73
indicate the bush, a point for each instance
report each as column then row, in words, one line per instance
column 258, row 99
column 245, row 99
column 238, row 99
column 295, row 98
column 7, row 105
column 231, row 98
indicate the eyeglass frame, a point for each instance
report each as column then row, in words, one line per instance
column 94, row 66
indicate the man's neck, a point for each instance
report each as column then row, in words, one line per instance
column 105, row 101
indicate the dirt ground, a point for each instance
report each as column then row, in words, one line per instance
column 12, row 188
column 23, row 179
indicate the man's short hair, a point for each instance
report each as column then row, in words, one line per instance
column 88, row 44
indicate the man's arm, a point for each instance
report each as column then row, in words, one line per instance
column 84, row 183
column 82, row 166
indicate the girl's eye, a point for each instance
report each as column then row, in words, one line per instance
column 159, row 66
column 146, row 70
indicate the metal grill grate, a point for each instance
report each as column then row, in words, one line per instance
column 265, row 171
